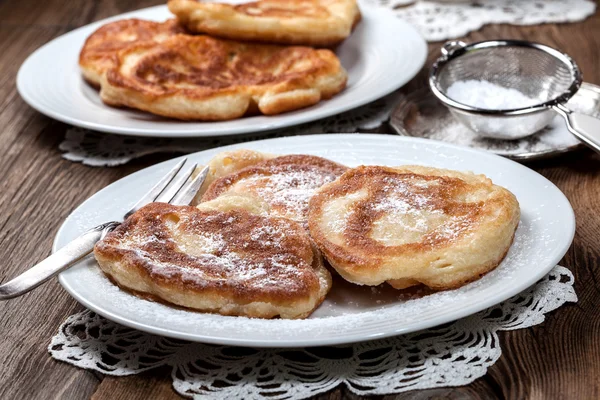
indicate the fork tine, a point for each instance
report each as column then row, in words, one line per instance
column 187, row 193
column 167, row 195
column 154, row 193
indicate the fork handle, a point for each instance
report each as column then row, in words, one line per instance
column 55, row 263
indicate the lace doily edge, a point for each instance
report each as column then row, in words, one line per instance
column 458, row 31
column 570, row 296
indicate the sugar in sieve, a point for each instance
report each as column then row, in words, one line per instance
column 543, row 74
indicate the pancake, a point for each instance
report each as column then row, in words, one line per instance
column 228, row 162
column 413, row 225
column 320, row 23
column 203, row 78
column 99, row 53
column 230, row 261
column 285, row 183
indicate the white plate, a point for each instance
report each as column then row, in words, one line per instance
column 382, row 54
column 350, row 313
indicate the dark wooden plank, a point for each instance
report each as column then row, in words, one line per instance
column 38, row 189
column 29, row 204
column 559, row 359
column 65, row 13
column 151, row 385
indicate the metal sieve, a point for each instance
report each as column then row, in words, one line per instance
column 537, row 71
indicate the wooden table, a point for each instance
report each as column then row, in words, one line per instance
column 558, row 359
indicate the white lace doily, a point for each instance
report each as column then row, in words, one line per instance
column 449, row 19
column 453, row 354
column 99, row 149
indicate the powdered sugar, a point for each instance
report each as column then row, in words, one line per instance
column 399, row 212
column 409, row 213
column 342, row 317
column 289, row 191
column 211, row 242
column 218, row 257
column 422, row 115
column 489, row 96
column 401, row 198
column 268, row 235
column 552, row 138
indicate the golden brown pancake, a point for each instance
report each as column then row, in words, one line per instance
column 99, row 53
column 285, row 183
column 230, row 262
column 321, row 23
column 413, row 225
column 203, row 78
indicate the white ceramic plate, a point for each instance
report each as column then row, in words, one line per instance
column 381, row 55
column 350, row 313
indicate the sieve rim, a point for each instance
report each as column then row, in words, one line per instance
column 452, row 50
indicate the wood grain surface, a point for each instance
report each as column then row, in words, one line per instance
column 559, row 359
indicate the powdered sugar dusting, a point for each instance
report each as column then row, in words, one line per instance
column 551, row 138
column 268, row 235
column 210, row 257
column 401, row 198
column 348, row 317
column 422, row 115
column 288, row 191
column 489, row 96
column 409, row 213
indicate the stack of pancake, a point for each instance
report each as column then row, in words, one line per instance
column 220, row 61
column 268, row 229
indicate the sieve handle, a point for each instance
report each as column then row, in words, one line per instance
column 586, row 128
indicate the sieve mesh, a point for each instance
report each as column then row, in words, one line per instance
column 537, row 71
column 532, row 71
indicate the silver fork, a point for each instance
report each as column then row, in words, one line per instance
column 178, row 191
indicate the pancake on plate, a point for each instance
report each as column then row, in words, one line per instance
column 203, row 78
column 228, row 162
column 320, row 23
column 284, row 183
column 413, row 225
column 99, row 53
column 226, row 258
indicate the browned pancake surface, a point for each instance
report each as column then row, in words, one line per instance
column 99, row 53
column 200, row 77
column 286, row 183
column 406, row 193
column 410, row 225
column 239, row 253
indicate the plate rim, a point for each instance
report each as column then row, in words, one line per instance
column 291, row 343
column 305, row 116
